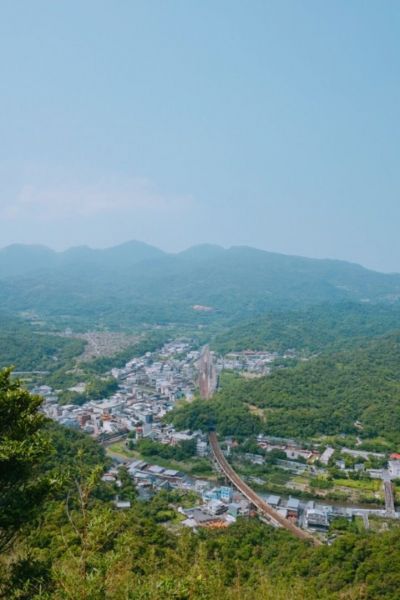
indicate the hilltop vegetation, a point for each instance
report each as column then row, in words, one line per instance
column 75, row 545
column 28, row 349
column 326, row 395
column 330, row 394
column 311, row 330
column 135, row 283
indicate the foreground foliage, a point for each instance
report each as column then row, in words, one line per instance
column 22, row 447
column 77, row 546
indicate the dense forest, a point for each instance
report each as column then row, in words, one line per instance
column 73, row 544
column 311, row 330
column 28, row 349
column 353, row 391
column 134, row 283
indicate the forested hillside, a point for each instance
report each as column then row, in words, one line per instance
column 73, row 544
column 136, row 283
column 325, row 395
column 20, row 259
column 25, row 347
column 311, row 330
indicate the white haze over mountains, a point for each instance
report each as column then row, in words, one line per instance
column 274, row 125
column 60, row 210
column 44, row 205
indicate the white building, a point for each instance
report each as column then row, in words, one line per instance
column 394, row 469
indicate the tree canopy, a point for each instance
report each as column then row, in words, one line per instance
column 23, row 446
column 78, row 546
column 354, row 391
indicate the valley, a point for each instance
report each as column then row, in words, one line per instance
column 213, row 426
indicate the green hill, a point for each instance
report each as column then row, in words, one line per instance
column 135, row 282
column 325, row 395
column 311, row 330
column 25, row 347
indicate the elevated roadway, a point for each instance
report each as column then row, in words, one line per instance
column 272, row 515
column 389, row 498
column 208, row 376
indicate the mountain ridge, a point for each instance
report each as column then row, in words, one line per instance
column 203, row 250
column 139, row 282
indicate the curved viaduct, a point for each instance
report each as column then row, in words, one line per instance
column 265, row 509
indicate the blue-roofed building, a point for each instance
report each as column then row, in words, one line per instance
column 223, row 493
column 226, row 494
column 273, row 500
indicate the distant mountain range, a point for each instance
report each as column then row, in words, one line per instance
column 20, row 259
column 136, row 282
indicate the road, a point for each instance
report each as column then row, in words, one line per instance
column 265, row 509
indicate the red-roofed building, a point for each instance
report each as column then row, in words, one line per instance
column 395, row 456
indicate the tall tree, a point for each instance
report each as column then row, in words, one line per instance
column 23, row 445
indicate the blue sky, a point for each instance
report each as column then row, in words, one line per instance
column 271, row 124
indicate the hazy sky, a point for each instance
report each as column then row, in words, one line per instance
column 269, row 123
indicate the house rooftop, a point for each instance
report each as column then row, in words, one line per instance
column 293, row 503
column 156, row 469
column 122, row 503
column 137, row 465
column 273, row 500
column 170, row 473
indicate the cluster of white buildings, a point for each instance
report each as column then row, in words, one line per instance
column 217, row 506
column 148, row 387
column 258, row 363
column 291, row 448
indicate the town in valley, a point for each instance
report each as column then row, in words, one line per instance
column 134, row 419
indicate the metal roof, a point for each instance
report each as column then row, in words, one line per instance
column 293, row 503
